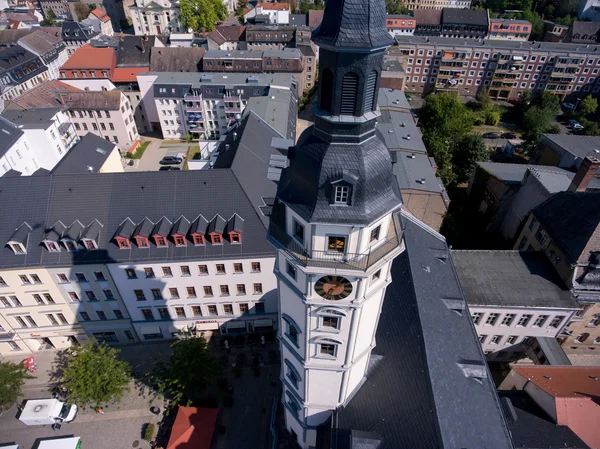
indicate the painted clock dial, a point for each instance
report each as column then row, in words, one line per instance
column 333, row 288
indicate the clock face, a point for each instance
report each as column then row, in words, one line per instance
column 333, row 288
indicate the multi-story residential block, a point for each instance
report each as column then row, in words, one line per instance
column 90, row 68
column 464, row 23
column 117, row 10
column 106, row 114
column 207, row 106
column 416, row 5
column 100, row 22
column 60, row 8
column 400, row 25
column 155, row 17
column 75, row 34
column 505, row 29
column 16, row 157
column 566, row 227
column 506, row 68
column 288, row 60
column 49, row 47
column 272, row 13
column 44, row 95
column 48, row 131
column 269, row 37
column 428, row 22
column 92, row 154
column 20, row 70
column 513, row 297
column 583, row 33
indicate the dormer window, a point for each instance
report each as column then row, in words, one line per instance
column 70, row 245
column 52, row 247
column 235, row 226
column 215, row 229
column 235, row 237
column 18, row 241
column 142, row 242
column 160, row 241
column 179, row 240
column 161, row 231
column 90, row 245
column 180, row 230
column 341, row 194
column 216, row 239
column 18, row 248
column 198, row 239
column 123, row 243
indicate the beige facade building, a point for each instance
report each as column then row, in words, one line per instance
column 155, row 17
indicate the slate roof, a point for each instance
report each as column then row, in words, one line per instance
column 509, row 173
column 298, row 19
column 85, row 100
column 278, row 110
column 135, row 51
column 584, row 28
column 428, row 16
column 176, row 59
column 353, row 23
column 414, row 171
column 74, row 31
column 400, row 132
column 41, row 201
column 419, row 392
column 570, row 219
column 578, row 146
column 39, row 118
column 11, row 37
column 510, row 278
column 477, row 17
column 10, row 134
column 530, row 426
column 87, row 156
column 392, row 99
column 44, row 95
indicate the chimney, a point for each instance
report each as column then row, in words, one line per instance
column 587, row 170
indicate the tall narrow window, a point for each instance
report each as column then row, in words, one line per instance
column 370, row 92
column 349, row 94
column 326, row 89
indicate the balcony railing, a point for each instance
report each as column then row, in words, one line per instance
column 334, row 259
column 192, row 97
column 194, row 108
column 7, row 336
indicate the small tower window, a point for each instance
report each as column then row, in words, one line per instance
column 349, row 94
column 342, row 194
column 370, row 92
column 326, row 90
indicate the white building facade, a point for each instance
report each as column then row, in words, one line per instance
column 155, row 17
column 15, row 152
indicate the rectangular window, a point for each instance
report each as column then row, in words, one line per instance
column 149, row 272
column 540, row 320
column 49, row 298
column 228, row 309
column 180, row 312
column 555, row 323
column 108, row 294
column 174, row 293
column 179, row 240
column 130, row 272
column 224, row 290
column 257, row 288
column 203, row 269
column 147, row 314
column 191, row 292
column 477, row 317
column 482, row 339
column 163, row 312
column 256, row 267
column 259, row 307
column 524, row 320
column 327, row 349
column 101, row 315
column 38, row 299
column 298, row 231
column 156, row 293
column 208, row 291
column 491, row 319
column 512, row 339
column 212, row 310
column 2, row 281
column 220, row 268
column 185, row 270
column 99, row 275
column 336, row 243
column 73, row 296
column 167, row 272
column 238, row 268
column 139, row 295
column 91, row 295
column 291, row 270
column 30, row 320
column 331, row 321
column 375, row 234
column 508, row 319
column 24, row 279
column 36, row 279
column 118, row 314
column 85, row 316
column 541, row 236
column 341, row 194
column 80, row 277
column 52, row 320
column 243, row 308
column 496, row 339
column 241, row 289
column 196, row 311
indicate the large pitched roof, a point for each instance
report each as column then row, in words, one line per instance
column 563, row 381
column 465, row 16
column 315, row 17
column 176, row 59
column 570, row 218
column 88, row 57
column 44, row 95
column 428, row 16
column 40, row 41
column 428, row 386
column 193, row 428
column 42, row 201
column 37, row 118
column 96, row 100
column 510, row 278
column 100, row 15
column 10, row 134
column 87, row 156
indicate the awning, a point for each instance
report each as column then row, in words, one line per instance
column 206, row 326
column 236, row 324
column 263, row 323
column 150, row 330
column 174, row 328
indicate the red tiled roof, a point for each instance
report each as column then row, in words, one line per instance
column 88, row 57
column 127, row 74
column 315, row 17
column 563, row 381
column 44, row 95
column 193, row 428
column 275, row 6
column 100, row 15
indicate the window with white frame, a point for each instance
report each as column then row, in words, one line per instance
column 512, row 339
column 524, row 320
column 496, row 339
column 491, row 319
column 555, row 323
column 292, row 374
column 482, row 338
column 477, row 317
column 342, row 194
column 508, row 319
column 292, row 329
column 540, row 320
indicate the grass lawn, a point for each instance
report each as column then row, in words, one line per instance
column 140, row 150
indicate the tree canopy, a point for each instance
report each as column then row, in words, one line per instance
column 50, row 19
column 12, row 379
column 201, row 14
column 82, row 10
column 189, row 369
column 589, row 105
column 396, row 7
column 470, row 150
column 94, row 375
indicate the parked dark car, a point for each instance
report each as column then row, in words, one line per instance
column 491, row 135
column 168, row 168
column 170, row 160
column 509, row 136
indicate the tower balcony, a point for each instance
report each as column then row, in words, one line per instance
column 333, row 259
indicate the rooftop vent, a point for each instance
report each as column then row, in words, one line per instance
column 473, row 369
column 101, row 151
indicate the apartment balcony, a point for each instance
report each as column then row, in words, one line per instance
column 454, row 56
column 232, row 98
column 192, row 97
column 7, row 336
column 509, row 68
column 454, row 64
column 568, row 62
column 233, row 109
column 333, row 259
column 507, row 76
column 562, row 79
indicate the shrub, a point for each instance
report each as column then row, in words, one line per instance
column 492, row 118
column 149, row 432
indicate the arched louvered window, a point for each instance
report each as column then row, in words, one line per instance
column 326, row 89
column 370, row 92
column 349, row 94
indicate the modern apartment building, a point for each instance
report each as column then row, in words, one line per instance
column 207, row 105
column 16, row 156
column 506, row 68
column 416, row 5
column 155, row 17
column 106, row 114
column 513, row 297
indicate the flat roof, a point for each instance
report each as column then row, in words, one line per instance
column 510, row 278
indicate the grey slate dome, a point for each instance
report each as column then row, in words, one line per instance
column 306, row 185
column 353, row 23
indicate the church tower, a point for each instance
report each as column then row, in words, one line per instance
column 335, row 224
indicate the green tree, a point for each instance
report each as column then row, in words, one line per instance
column 50, row 19
column 396, row 7
column 201, row 14
column 470, row 150
column 590, row 128
column 537, row 24
column 549, row 102
column 589, row 105
column 536, row 120
column 82, row 10
column 492, row 117
column 94, row 375
column 189, row 369
column 12, row 379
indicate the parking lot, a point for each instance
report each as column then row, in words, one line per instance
column 150, row 160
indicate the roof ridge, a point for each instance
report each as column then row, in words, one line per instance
column 408, row 215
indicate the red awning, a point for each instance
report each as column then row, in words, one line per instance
column 193, row 428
